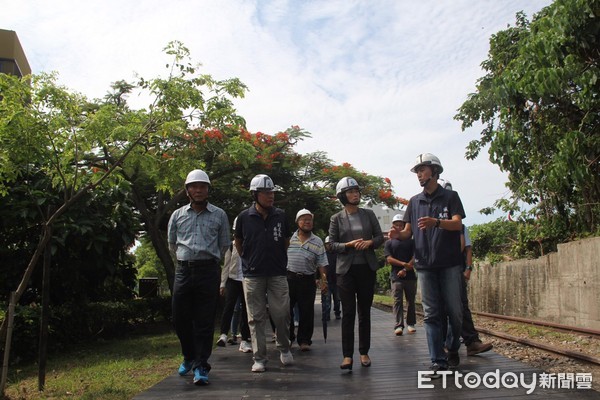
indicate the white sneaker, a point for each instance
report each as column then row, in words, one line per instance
column 245, row 347
column 286, row 358
column 222, row 340
column 398, row 331
column 412, row 329
column 258, row 366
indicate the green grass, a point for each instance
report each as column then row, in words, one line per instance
column 108, row 370
column 117, row 369
column 382, row 299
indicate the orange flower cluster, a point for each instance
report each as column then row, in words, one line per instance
column 212, row 134
column 270, row 148
column 385, row 194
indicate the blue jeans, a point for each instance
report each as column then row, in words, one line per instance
column 439, row 288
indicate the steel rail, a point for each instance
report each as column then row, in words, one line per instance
column 569, row 353
column 539, row 323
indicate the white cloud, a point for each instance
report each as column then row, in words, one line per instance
column 376, row 83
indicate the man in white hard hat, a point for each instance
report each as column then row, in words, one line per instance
column 262, row 236
column 198, row 236
column 469, row 334
column 434, row 217
column 306, row 257
column 400, row 255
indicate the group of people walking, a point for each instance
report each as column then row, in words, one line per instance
column 273, row 270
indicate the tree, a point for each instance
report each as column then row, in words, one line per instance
column 540, row 110
column 45, row 126
column 89, row 243
column 203, row 130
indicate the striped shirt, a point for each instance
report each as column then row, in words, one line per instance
column 199, row 235
column 305, row 258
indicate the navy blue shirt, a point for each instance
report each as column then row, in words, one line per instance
column 435, row 247
column 401, row 250
column 264, row 251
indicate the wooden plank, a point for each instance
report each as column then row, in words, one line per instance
column 316, row 373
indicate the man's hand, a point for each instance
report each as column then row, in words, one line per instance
column 467, row 274
column 426, row 222
column 394, row 232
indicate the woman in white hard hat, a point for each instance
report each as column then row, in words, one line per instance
column 355, row 234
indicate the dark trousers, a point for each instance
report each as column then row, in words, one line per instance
column 408, row 289
column 302, row 292
column 234, row 290
column 356, row 288
column 331, row 296
column 195, row 299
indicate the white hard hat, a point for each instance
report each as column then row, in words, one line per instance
column 262, row 183
column 398, row 217
column 302, row 212
column 346, row 183
column 427, row 159
column 445, row 184
column 197, row 175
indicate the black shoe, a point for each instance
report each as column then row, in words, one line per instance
column 346, row 365
column 453, row 359
column 435, row 367
column 365, row 360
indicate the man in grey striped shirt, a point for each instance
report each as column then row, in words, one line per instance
column 306, row 255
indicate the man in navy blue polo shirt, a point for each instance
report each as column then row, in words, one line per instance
column 262, row 236
column 434, row 218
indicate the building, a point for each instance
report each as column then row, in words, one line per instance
column 384, row 215
column 12, row 56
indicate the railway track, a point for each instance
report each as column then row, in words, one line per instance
column 543, row 346
column 532, row 343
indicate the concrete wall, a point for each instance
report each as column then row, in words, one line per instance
column 562, row 287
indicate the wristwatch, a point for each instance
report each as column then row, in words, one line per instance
column 469, row 267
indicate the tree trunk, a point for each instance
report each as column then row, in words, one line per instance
column 152, row 227
column 43, row 339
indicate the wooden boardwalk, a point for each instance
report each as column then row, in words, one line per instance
column 316, row 373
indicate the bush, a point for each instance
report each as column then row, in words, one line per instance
column 382, row 279
column 75, row 323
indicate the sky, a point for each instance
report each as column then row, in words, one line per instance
column 376, row 83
